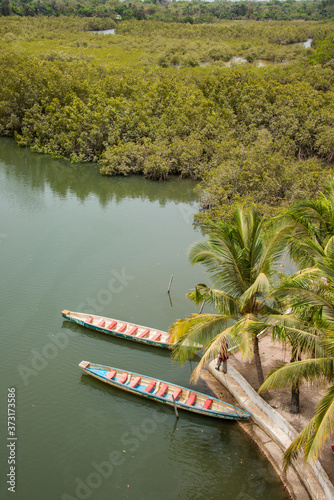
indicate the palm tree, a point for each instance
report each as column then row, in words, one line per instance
column 286, row 327
column 312, row 224
column 240, row 257
column 314, row 289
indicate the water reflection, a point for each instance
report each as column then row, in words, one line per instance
column 117, row 341
column 105, row 32
column 308, row 43
column 82, row 180
column 235, row 61
column 260, row 63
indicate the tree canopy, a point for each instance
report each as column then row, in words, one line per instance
column 240, row 106
column 195, row 11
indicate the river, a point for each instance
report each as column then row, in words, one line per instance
column 66, row 234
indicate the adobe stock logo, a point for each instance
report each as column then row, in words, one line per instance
column 187, row 212
column 117, row 284
column 103, row 470
column 3, row 236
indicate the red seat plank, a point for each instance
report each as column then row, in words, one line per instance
column 122, row 378
column 112, row 325
column 135, row 382
column 144, row 333
column 150, row 386
column 101, row 323
column 89, row 319
column 207, row 404
column 162, row 390
column 191, row 399
column 133, row 330
column 156, row 336
column 111, row 374
column 176, row 393
column 122, row 328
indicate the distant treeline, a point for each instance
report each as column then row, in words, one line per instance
column 194, row 11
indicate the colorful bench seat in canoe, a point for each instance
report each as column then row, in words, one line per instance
column 191, row 400
column 206, row 405
column 162, row 391
column 144, row 333
column 135, row 382
column 122, row 378
column 150, row 386
column 156, row 336
column 112, row 325
column 122, row 328
column 101, row 323
column 176, row 393
column 111, row 374
column 133, row 330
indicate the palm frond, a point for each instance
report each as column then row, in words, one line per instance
column 260, row 286
column 194, row 330
column 313, row 225
column 221, row 260
column 275, row 243
column 300, row 297
column 312, row 438
column 323, row 425
column 223, row 302
column 308, row 341
column 291, row 373
column 211, row 353
column 243, row 332
column 297, row 445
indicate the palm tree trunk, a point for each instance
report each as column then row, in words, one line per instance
column 257, row 359
column 294, row 407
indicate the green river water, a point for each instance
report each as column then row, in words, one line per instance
column 70, row 238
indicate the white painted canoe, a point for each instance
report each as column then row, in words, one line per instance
column 122, row 329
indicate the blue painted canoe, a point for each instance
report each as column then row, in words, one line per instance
column 122, row 329
column 162, row 392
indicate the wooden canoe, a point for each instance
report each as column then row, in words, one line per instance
column 162, row 392
column 122, row 329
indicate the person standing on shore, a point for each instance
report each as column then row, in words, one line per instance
column 223, row 357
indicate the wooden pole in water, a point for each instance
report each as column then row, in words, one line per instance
column 170, row 284
column 175, row 407
column 170, row 300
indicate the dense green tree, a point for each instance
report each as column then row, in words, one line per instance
column 257, row 174
column 324, row 53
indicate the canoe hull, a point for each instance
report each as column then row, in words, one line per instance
column 148, row 334
column 228, row 411
column 114, row 333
